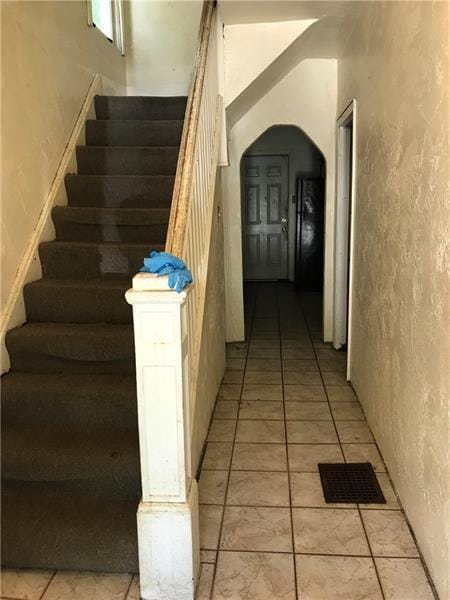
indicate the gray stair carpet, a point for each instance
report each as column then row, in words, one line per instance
column 70, row 458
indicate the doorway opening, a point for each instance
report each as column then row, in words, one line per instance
column 282, row 202
column 344, row 219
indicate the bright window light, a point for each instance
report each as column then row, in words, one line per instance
column 102, row 17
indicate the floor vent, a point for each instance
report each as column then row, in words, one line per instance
column 350, row 483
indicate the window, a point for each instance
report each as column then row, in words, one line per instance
column 106, row 15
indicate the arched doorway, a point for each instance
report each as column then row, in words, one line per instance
column 282, row 200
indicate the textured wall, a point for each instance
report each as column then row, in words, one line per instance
column 212, row 354
column 161, row 43
column 395, row 64
column 49, row 56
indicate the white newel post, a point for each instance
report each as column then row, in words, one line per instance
column 167, row 518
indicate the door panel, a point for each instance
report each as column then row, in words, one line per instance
column 265, row 211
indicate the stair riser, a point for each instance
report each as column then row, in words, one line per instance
column 93, row 160
column 133, row 133
column 129, row 108
column 110, row 233
column 92, row 261
column 69, row 305
column 119, row 192
column 34, row 362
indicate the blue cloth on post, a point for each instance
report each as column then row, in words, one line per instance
column 164, row 263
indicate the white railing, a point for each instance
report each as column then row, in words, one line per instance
column 168, row 331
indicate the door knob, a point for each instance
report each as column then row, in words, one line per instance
column 284, row 220
column 284, row 228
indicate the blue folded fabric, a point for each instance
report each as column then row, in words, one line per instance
column 164, row 263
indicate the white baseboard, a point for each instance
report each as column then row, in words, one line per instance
column 30, row 267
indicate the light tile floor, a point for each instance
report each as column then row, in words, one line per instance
column 266, row 532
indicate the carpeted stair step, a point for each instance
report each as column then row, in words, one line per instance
column 120, row 191
column 53, row 525
column 133, row 133
column 92, row 402
column 78, row 301
column 140, row 107
column 94, row 224
column 72, row 348
column 84, row 260
column 127, row 160
column 62, row 453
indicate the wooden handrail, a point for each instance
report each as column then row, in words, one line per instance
column 176, row 233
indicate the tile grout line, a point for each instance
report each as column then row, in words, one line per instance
column 232, row 453
column 296, row 583
column 342, row 452
column 48, row 585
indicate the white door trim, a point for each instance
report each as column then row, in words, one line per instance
column 344, row 239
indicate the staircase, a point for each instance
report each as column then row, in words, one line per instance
column 70, row 460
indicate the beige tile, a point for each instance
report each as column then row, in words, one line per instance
column 233, row 377
column 212, row 487
column 340, row 393
column 259, row 457
column 134, row 592
column 222, row 430
column 347, row 411
column 238, row 350
column 235, row 364
column 354, row 432
column 264, row 352
column 302, row 378
column 210, row 520
column 226, row 409
column 270, row 432
column 69, row 585
column 229, row 392
column 364, row 453
column 263, row 364
column 403, row 579
column 329, row 531
column 311, row 432
column 250, row 488
column 389, row 495
column 302, row 365
column 217, row 455
column 306, row 491
column 254, row 576
column 308, row 411
column 305, row 457
column 262, row 392
column 331, row 360
column 263, row 377
column 389, row 534
column 298, row 353
column 208, row 556
column 265, row 335
column 292, row 344
column 333, row 378
column 261, row 409
column 337, row 578
column 205, row 582
column 267, row 324
column 264, row 342
column 25, row 584
column 304, row 393
column 258, row 529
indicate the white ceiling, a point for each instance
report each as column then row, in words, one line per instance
column 265, row 11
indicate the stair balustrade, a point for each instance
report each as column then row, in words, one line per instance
column 168, row 331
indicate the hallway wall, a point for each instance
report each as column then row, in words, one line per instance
column 394, row 64
column 306, row 98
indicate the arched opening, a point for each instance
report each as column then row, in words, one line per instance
column 283, row 201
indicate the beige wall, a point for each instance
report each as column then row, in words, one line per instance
column 48, row 60
column 161, row 43
column 306, row 98
column 395, row 64
column 212, row 354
